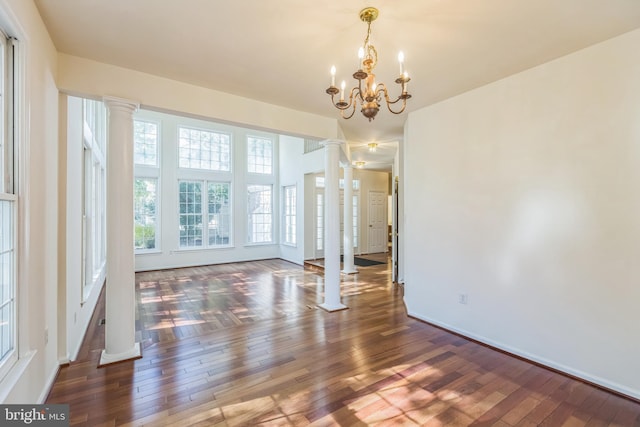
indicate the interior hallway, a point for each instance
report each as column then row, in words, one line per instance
column 244, row 344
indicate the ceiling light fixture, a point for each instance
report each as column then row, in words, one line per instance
column 372, row 147
column 359, row 165
column 372, row 93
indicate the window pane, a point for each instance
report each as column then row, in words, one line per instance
column 260, row 214
column 355, row 220
column 320, row 221
column 259, row 155
column 199, row 149
column 190, row 204
column 145, row 199
column 219, row 213
column 145, row 143
column 289, row 212
column 7, row 279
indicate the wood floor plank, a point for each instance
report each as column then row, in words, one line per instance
column 244, row 344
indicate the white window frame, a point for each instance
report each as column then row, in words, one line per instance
column 254, row 166
column 251, row 215
column 155, row 214
column 289, row 211
column 94, row 133
column 11, row 87
column 205, row 215
column 148, row 171
column 211, row 131
column 229, row 215
column 157, row 143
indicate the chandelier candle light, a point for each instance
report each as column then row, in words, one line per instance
column 372, row 93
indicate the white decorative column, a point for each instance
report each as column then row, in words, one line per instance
column 120, row 319
column 347, row 266
column 332, row 227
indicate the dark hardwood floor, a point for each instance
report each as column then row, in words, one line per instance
column 244, row 344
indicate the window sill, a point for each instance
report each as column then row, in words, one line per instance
column 14, row 374
column 249, row 245
column 149, row 252
column 201, row 249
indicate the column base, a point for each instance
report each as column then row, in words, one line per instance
column 108, row 359
column 331, row 308
column 349, row 270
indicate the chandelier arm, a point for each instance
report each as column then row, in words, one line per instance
column 355, row 94
column 404, row 105
column 386, row 95
column 353, row 110
column 345, row 107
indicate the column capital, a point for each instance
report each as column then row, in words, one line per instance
column 122, row 104
column 329, row 142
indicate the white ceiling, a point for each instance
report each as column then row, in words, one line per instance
column 280, row 51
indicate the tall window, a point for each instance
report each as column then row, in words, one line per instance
column 190, row 200
column 8, row 203
column 7, row 279
column 201, row 149
column 289, row 214
column 319, row 221
column 259, row 155
column 355, row 220
column 196, row 205
column 259, row 206
column 219, row 212
column 94, row 220
column 145, row 195
column 146, row 201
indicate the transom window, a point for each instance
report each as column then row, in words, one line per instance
column 145, row 143
column 201, row 149
column 259, row 155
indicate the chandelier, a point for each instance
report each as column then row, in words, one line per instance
column 368, row 93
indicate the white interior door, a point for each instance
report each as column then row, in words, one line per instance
column 377, row 221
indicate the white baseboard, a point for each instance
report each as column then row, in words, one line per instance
column 610, row 385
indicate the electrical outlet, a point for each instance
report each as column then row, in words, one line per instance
column 46, row 336
column 462, row 298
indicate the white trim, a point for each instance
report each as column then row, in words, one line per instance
column 15, row 374
column 48, row 385
column 133, row 353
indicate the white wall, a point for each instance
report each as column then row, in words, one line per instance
column 292, row 173
column 38, row 208
column 89, row 78
column 525, row 196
